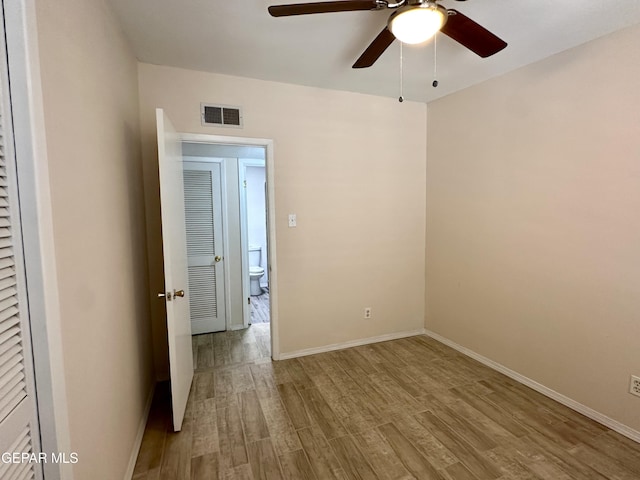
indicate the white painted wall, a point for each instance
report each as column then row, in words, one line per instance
column 90, row 102
column 532, row 246
column 257, row 215
column 351, row 167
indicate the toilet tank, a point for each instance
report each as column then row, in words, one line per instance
column 255, row 254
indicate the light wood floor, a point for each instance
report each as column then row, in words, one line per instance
column 232, row 348
column 260, row 308
column 404, row 409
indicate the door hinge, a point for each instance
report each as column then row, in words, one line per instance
column 248, row 300
column 244, row 184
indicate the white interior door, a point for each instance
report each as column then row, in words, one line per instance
column 174, row 246
column 203, row 207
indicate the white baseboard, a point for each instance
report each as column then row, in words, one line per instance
column 621, row 428
column 352, row 343
column 138, row 442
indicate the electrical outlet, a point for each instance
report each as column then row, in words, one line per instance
column 367, row 312
column 634, row 386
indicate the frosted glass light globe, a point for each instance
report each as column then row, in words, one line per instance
column 417, row 24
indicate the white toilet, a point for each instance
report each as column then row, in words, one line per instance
column 255, row 270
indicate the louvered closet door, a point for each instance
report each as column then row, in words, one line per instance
column 18, row 417
column 203, row 208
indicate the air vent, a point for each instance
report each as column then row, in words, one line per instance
column 221, row 115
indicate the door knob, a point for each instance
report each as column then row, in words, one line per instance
column 168, row 295
column 178, row 293
column 217, row 258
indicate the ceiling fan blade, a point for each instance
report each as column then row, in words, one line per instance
column 375, row 49
column 472, row 35
column 322, row 7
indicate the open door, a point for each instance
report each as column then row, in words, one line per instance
column 174, row 247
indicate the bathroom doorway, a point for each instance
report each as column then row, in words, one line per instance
column 254, row 236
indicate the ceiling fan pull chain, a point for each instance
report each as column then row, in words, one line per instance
column 401, row 98
column 434, row 84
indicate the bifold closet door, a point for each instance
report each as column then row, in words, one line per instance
column 19, row 430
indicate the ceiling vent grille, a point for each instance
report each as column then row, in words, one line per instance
column 221, row 115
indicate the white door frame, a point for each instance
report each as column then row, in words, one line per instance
column 37, row 228
column 244, row 226
column 271, row 254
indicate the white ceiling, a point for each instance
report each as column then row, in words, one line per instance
column 239, row 37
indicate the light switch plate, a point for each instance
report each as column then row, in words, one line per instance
column 292, row 220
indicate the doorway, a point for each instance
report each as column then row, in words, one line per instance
column 216, row 174
column 254, row 237
column 185, row 350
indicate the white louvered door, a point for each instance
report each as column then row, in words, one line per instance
column 19, row 432
column 203, row 209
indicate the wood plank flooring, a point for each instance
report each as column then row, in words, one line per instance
column 399, row 410
column 260, row 307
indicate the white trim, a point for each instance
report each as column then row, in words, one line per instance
column 251, row 162
column 352, row 343
column 225, row 240
column 271, row 218
column 37, row 225
column 141, row 428
column 243, row 163
column 244, row 243
column 223, row 139
column 621, row 428
column 271, row 251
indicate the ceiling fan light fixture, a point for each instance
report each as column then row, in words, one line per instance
column 417, row 23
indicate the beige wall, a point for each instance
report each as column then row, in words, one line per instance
column 533, row 233
column 89, row 79
column 350, row 166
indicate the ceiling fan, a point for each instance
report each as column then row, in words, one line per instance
column 413, row 21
